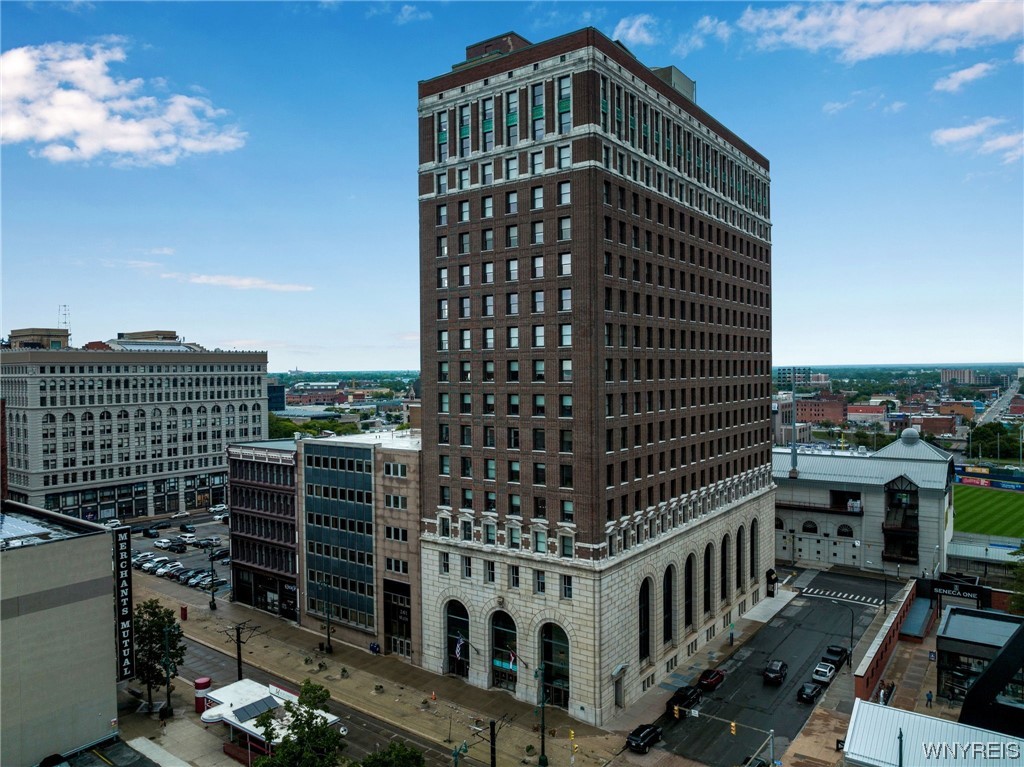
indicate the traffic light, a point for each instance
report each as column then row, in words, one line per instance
column 575, row 747
column 572, row 734
column 675, row 711
column 732, row 727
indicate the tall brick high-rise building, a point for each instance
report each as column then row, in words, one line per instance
column 595, row 263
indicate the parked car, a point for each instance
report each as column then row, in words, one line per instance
column 111, row 522
column 180, row 515
column 163, row 524
column 189, row 538
column 219, row 508
column 143, row 556
column 183, row 575
column 710, row 679
column 167, row 567
column 162, row 543
column 836, row 655
column 775, row 672
column 154, row 564
column 219, row 553
column 809, row 692
column 150, row 532
column 824, row 673
column 226, row 561
column 187, row 528
column 222, row 517
column 686, row 698
column 207, row 543
column 216, row 583
column 198, row 577
column 643, row 737
column 178, row 548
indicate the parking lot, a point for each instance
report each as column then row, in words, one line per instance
column 210, row 560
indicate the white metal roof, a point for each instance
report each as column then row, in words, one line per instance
column 872, row 740
column 235, row 707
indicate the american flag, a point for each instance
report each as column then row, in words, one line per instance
column 458, row 647
column 512, row 656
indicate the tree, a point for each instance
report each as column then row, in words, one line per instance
column 309, row 741
column 158, row 641
column 397, row 754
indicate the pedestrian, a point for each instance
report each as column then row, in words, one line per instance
column 928, row 699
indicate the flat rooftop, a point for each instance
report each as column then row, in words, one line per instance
column 22, row 525
column 394, row 439
column 978, row 626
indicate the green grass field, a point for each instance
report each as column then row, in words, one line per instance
column 988, row 512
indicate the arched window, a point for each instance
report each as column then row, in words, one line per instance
column 723, row 575
column 554, row 654
column 457, row 627
column 709, row 570
column 739, row 559
column 504, row 655
column 844, row 531
column 755, row 552
column 688, row 574
column 667, row 611
column 644, row 616
column 810, row 527
column 779, row 525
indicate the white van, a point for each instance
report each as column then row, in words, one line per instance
column 188, row 538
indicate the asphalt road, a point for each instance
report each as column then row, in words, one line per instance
column 365, row 734
column 797, row 635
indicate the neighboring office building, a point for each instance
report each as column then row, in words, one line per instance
column 58, row 679
column 782, row 423
column 262, row 490
column 359, row 538
column 130, row 427
column 888, row 508
column 967, row 641
column 865, row 414
column 595, row 308
column 787, row 377
column 965, row 409
column 934, row 424
column 821, row 411
column 275, row 396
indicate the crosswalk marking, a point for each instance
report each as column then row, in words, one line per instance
column 813, row 592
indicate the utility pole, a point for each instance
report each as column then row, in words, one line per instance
column 542, row 760
column 237, row 629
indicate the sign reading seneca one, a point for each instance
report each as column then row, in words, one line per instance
column 123, row 624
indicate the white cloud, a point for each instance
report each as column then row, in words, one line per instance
column 63, row 99
column 953, row 82
column 861, row 31
column 636, row 30
column 1018, row 55
column 895, row 107
column 236, row 282
column 706, row 26
column 945, row 136
column 980, row 138
column 159, row 252
column 410, row 13
column 835, row 107
column 1010, row 145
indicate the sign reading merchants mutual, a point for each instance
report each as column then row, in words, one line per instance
column 123, row 624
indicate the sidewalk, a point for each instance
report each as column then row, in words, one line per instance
column 391, row 689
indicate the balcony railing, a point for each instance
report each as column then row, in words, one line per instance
column 901, row 519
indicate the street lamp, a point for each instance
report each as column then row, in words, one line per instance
column 328, row 608
column 885, row 586
column 849, row 657
column 542, row 760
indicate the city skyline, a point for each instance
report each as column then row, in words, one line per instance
column 164, row 178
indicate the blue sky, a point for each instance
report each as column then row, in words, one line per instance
column 245, row 173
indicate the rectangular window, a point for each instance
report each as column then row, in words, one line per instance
column 564, row 157
column 441, row 182
column 565, row 334
column 511, row 168
column 565, row 406
column 463, row 211
column 565, row 228
column 467, row 567
column 442, row 215
column 540, row 541
column 442, row 277
column 514, row 541
column 538, row 371
column 487, row 207
column 512, row 202
column 536, row 162
column 445, row 565
column 537, row 233
column 442, row 136
column 512, row 371
column 513, row 404
column 511, row 304
column 463, row 177
column 442, row 340
column 467, row 530
column 565, row 299
column 539, row 437
column 513, row 576
column 538, row 582
column 538, row 405
column 567, row 585
column 564, row 193
column 537, row 110
column 537, row 198
column 514, row 505
column 512, row 269
column 540, row 474
column 565, row 370
column 537, row 301
column 567, row 512
column 512, row 338
column 512, row 236
column 512, row 118
column 565, row 441
column 537, row 267
column 489, row 575
column 513, row 471
column 487, row 272
column 564, row 264
column 490, row 533
column 487, row 305
column 538, row 336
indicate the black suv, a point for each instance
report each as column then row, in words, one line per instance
column 187, row 528
column 836, row 655
column 775, row 672
column 150, row 532
column 686, row 698
column 643, row 737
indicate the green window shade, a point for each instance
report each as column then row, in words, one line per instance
column 618, row 114
column 646, row 131
column 632, row 122
column 537, row 113
column 512, row 118
column 604, row 105
column 488, row 125
column 563, row 105
column 463, row 131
